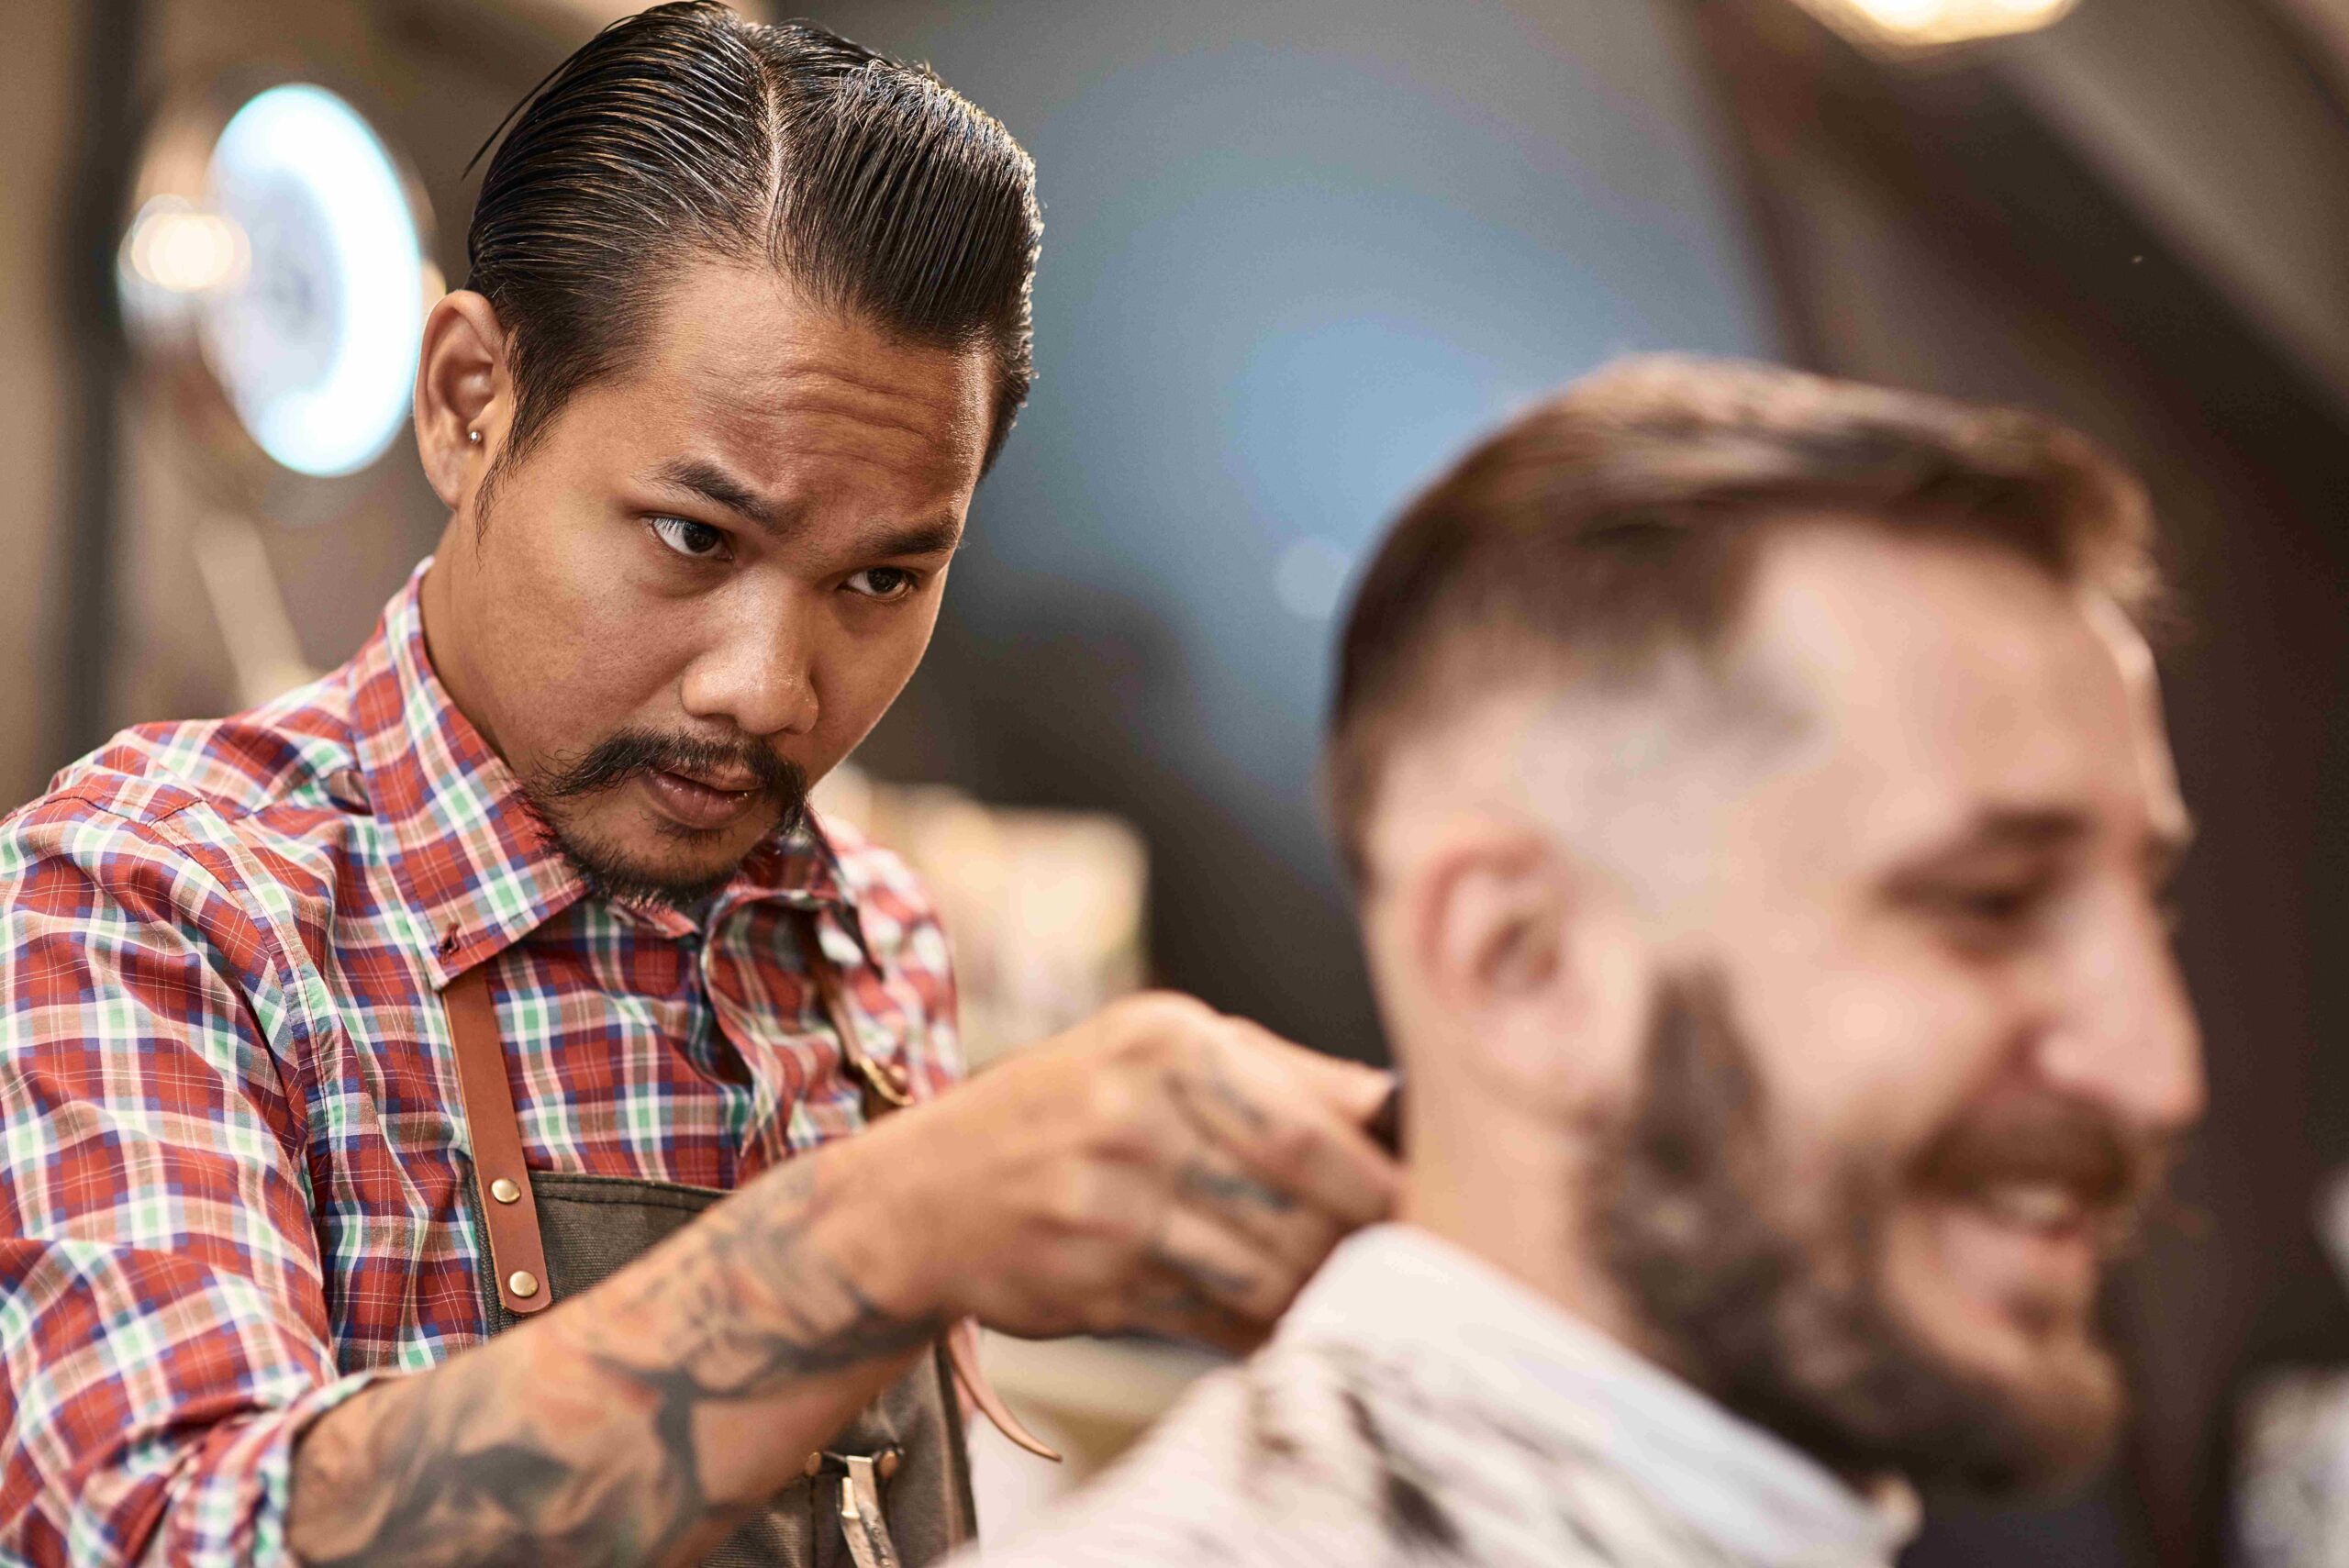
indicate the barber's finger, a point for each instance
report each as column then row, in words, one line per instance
column 1224, row 1266
column 1296, row 1234
column 1237, row 1098
column 1353, row 1089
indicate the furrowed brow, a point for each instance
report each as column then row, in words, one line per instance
column 700, row 477
column 938, row 536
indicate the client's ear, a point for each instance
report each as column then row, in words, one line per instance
column 1518, row 948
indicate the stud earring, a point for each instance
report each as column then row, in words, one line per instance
column 473, row 436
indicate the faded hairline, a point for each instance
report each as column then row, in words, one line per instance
column 1611, row 757
column 1624, row 516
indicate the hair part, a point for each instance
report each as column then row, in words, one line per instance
column 685, row 133
column 1622, row 517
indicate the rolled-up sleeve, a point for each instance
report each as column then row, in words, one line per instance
column 163, row 1335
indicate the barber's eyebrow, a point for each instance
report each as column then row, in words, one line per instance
column 715, row 483
column 719, row 486
column 935, row 536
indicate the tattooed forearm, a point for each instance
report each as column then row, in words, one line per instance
column 581, row 1437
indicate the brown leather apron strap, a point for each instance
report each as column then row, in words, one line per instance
column 510, row 1210
column 517, row 1259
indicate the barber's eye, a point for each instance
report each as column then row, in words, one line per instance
column 884, row 583
column 687, row 538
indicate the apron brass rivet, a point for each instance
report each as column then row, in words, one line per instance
column 815, row 1462
column 504, row 1191
column 888, row 1465
column 522, row 1283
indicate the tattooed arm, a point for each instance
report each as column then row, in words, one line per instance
column 1160, row 1167
column 632, row 1425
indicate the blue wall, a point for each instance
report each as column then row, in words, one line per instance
column 1295, row 254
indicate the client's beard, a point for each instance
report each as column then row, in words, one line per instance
column 609, row 872
column 1790, row 1325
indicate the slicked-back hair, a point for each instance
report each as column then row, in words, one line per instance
column 686, row 133
column 1622, row 517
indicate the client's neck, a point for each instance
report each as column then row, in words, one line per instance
column 1501, row 1185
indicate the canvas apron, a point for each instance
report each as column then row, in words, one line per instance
column 893, row 1488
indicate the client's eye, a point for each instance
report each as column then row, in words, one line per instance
column 698, row 541
column 1991, row 915
column 884, row 583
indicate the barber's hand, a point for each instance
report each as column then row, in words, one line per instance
column 1160, row 1167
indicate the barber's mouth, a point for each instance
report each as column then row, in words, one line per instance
column 697, row 803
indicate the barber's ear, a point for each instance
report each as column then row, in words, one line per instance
column 461, row 389
column 1495, row 926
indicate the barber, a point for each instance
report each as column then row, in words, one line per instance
column 427, row 1098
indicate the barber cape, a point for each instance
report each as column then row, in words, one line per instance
column 1418, row 1406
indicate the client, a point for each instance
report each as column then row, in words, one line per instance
column 1758, row 797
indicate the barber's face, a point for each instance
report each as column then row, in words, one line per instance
column 1922, row 1038
column 712, row 575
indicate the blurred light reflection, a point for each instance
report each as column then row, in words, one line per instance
column 1932, row 24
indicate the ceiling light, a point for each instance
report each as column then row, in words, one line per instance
column 1905, row 25
column 280, row 250
column 182, row 250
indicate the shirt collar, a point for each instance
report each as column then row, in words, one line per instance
column 1761, row 1499
column 473, row 860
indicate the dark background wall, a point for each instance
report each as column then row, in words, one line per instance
column 1295, row 253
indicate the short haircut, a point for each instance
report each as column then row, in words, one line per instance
column 1622, row 517
column 686, row 133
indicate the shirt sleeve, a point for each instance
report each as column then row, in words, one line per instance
column 163, row 1333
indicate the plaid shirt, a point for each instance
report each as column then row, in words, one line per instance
column 234, row 1170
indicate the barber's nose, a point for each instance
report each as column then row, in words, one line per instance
column 759, row 677
column 2128, row 1036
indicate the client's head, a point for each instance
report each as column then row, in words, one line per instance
column 1758, row 796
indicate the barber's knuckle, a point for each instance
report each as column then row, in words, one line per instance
column 1160, row 1018
column 1109, row 1102
column 1290, row 1148
column 1074, row 1200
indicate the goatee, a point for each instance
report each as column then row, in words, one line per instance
column 611, row 873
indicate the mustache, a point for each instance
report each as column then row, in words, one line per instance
column 626, row 754
column 2116, row 1172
